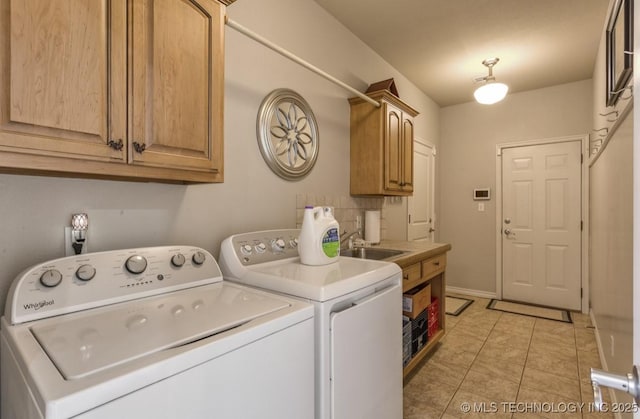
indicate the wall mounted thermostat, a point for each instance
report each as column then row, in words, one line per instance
column 482, row 194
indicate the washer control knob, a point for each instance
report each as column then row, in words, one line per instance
column 51, row 278
column 293, row 242
column 245, row 249
column 136, row 264
column 198, row 258
column 261, row 247
column 178, row 260
column 278, row 244
column 85, row 272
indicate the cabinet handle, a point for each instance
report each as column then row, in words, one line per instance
column 437, row 263
column 405, row 276
column 116, row 145
column 139, row 147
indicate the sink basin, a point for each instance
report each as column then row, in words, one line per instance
column 374, row 253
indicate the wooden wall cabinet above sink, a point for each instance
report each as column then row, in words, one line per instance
column 381, row 146
column 112, row 89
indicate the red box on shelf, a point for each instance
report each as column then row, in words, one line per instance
column 432, row 330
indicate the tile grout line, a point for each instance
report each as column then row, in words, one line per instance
column 526, row 358
column 470, row 365
column 461, row 381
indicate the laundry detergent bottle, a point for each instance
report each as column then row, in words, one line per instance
column 319, row 241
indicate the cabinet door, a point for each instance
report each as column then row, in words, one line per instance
column 177, row 83
column 62, row 78
column 398, row 167
column 366, row 378
column 407, row 154
column 393, row 143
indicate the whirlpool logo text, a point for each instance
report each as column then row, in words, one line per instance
column 40, row 304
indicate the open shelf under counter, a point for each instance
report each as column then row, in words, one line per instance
column 423, row 263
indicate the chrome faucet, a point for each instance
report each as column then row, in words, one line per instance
column 348, row 238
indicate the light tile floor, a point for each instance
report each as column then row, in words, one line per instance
column 506, row 365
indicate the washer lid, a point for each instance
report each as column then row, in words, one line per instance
column 318, row 283
column 85, row 343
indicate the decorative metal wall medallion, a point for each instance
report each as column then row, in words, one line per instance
column 287, row 134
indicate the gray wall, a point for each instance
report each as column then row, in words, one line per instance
column 467, row 160
column 34, row 210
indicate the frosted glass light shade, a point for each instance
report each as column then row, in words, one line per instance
column 491, row 93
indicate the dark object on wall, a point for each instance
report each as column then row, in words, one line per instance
column 388, row 84
column 482, row 194
column 619, row 50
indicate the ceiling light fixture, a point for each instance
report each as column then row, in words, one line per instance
column 490, row 92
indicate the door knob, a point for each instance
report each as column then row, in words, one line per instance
column 628, row 384
column 431, row 230
column 507, row 231
column 507, row 220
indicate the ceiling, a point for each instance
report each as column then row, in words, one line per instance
column 440, row 44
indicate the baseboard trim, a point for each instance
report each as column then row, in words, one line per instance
column 603, row 361
column 474, row 293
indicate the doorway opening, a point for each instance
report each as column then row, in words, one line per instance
column 421, row 215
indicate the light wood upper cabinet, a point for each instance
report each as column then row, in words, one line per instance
column 381, row 146
column 177, row 84
column 55, row 92
column 112, row 88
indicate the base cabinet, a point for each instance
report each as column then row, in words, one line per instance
column 418, row 276
column 112, row 89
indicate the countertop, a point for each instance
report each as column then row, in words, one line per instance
column 416, row 251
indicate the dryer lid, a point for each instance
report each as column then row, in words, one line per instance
column 318, row 283
column 85, row 343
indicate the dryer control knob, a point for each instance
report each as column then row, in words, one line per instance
column 293, row 243
column 198, row 258
column 261, row 247
column 278, row 244
column 136, row 264
column 86, row 272
column 178, row 260
column 245, row 249
column 51, row 278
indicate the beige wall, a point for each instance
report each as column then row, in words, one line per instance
column 611, row 224
column 467, row 160
column 611, row 216
column 34, row 210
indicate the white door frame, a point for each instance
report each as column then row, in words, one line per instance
column 584, row 268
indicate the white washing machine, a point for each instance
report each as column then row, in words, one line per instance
column 358, row 312
column 152, row 333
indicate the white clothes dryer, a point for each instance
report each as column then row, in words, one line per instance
column 151, row 333
column 358, row 319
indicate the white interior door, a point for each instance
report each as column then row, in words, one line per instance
column 420, row 206
column 616, row 211
column 541, row 225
